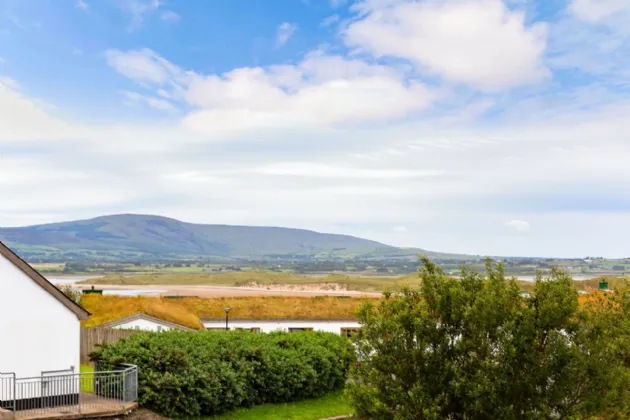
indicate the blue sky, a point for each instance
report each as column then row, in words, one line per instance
column 479, row 126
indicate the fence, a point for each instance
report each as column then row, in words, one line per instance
column 69, row 393
column 90, row 337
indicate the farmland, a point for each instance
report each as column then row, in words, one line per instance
column 262, row 279
column 268, row 283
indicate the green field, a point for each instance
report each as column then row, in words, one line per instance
column 248, row 278
column 328, row 406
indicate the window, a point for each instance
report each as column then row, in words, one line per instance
column 299, row 329
column 216, row 329
column 347, row 332
column 256, row 329
column 137, row 327
column 159, row 328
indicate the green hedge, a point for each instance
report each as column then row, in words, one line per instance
column 205, row 373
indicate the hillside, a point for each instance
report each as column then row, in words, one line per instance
column 131, row 236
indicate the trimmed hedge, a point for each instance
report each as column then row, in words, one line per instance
column 206, row 373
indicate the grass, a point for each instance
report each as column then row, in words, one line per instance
column 108, row 308
column 187, row 311
column 87, row 383
column 329, row 405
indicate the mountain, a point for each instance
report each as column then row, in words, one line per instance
column 132, row 236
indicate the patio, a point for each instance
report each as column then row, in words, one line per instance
column 69, row 396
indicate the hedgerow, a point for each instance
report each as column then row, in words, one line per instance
column 206, row 373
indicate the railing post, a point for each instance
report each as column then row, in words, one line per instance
column 41, row 393
column 79, row 392
column 124, row 387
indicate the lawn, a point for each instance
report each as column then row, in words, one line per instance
column 87, row 381
column 327, row 406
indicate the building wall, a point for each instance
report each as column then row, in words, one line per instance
column 142, row 324
column 37, row 332
column 284, row 325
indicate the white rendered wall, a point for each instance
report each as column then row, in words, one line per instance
column 284, row 325
column 37, row 332
column 142, row 324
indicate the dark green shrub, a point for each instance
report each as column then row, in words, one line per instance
column 205, row 373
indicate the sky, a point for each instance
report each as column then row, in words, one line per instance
column 491, row 127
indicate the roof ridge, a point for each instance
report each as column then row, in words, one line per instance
column 137, row 315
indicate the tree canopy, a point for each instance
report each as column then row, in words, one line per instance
column 476, row 348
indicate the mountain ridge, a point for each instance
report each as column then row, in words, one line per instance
column 145, row 236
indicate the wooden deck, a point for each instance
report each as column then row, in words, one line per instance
column 89, row 407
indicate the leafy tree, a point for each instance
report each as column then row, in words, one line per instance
column 72, row 293
column 474, row 348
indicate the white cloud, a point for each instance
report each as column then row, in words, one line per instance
column 320, row 91
column 593, row 38
column 144, row 66
column 170, row 16
column 307, row 169
column 164, row 94
column 82, row 4
column 284, row 32
column 15, row 20
column 138, row 10
column 400, row 229
column 8, row 83
column 480, row 43
column 160, row 104
column 330, row 20
column 24, row 119
column 336, row 3
column 520, row 226
column 596, row 10
column 246, row 100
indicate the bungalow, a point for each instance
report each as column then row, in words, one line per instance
column 39, row 327
column 141, row 321
column 337, row 326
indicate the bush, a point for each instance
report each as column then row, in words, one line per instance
column 206, row 373
column 474, row 348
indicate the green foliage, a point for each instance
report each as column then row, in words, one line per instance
column 206, row 373
column 69, row 291
column 474, row 348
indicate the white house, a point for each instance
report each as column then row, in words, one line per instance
column 141, row 321
column 39, row 325
column 337, row 326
